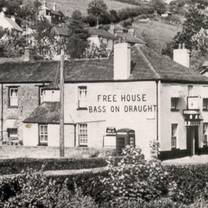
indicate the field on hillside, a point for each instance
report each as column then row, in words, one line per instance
column 158, row 32
column 68, row 6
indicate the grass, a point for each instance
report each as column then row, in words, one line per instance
column 157, row 32
column 68, row 6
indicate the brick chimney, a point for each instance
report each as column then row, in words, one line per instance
column 182, row 55
column 122, row 61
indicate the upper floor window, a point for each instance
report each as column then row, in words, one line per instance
column 83, row 135
column 205, row 134
column 175, row 104
column 82, row 97
column 13, row 96
column 205, row 104
column 43, row 134
column 41, row 95
column 174, row 129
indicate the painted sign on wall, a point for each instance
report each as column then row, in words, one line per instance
column 115, row 103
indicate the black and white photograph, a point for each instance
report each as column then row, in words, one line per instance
column 103, row 103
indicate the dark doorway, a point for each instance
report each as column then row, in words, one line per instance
column 192, row 140
column 120, row 144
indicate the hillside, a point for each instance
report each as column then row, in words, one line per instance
column 68, row 6
column 156, row 32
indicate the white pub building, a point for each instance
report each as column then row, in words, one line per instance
column 134, row 97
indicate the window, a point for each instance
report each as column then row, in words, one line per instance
column 174, row 135
column 13, row 96
column 82, row 97
column 205, row 104
column 205, row 134
column 43, row 134
column 83, row 134
column 41, row 95
column 12, row 133
column 174, row 104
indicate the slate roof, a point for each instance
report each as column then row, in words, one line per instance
column 48, row 112
column 146, row 65
column 101, row 33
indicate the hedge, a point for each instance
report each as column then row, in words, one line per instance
column 15, row 166
column 186, row 184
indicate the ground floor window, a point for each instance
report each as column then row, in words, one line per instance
column 174, row 135
column 12, row 135
column 205, row 134
column 83, row 136
column 43, row 134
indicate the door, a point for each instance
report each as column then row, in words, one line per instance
column 120, row 144
column 192, row 140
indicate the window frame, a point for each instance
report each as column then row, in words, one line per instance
column 40, row 89
column 205, row 107
column 205, row 136
column 174, row 137
column 9, row 132
column 174, row 106
column 80, row 107
column 45, row 134
column 10, row 97
column 83, row 134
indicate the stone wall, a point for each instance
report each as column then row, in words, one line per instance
column 28, row 100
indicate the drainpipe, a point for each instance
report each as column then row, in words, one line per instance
column 2, row 110
column 158, row 101
column 75, row 134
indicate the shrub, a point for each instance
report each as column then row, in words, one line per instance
column 188, row 183
column 14, row 166
column 8, row 188
column 135, row 178
column 37, row 191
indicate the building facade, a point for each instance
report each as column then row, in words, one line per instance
column 134, row 97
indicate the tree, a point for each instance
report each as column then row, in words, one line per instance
column 97, row 8
column 195, row 20
column 43, row 37
column 77, row 41
column 159, row 6
column 11, row 43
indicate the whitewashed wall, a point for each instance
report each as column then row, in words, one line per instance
column 144, row 123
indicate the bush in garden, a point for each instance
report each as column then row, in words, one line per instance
column 136, row 178
column 121, row 202
column 188, row 183
column 8, row 188
column 37, row 191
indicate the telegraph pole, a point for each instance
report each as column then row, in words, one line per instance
column 61, row 142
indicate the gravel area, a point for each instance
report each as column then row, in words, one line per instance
column 196, row 159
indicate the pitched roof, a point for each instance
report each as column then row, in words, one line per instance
column 48, row 112
column 101, row 33
column 14, row 25
column 129, row 38
column 146, row 65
